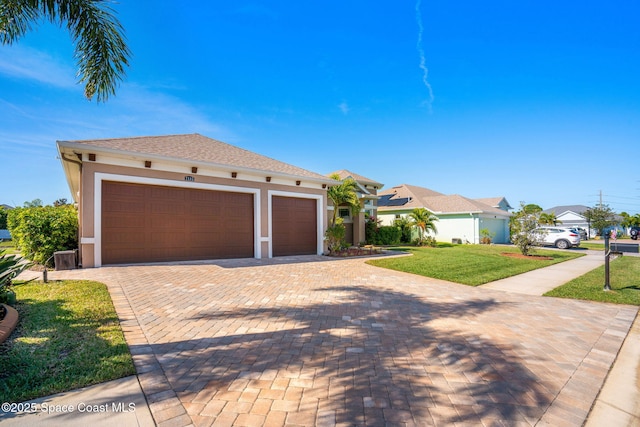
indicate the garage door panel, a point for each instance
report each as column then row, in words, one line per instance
column 294, row 226
column 174, row 224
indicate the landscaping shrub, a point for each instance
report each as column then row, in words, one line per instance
column 10, row 267
column 371, row 230
column 40, row 231
column 335, row 236
column 388, row 235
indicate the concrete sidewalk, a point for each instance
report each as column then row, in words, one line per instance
column 538, row 282
column 116, row 403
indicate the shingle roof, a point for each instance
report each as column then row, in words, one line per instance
column 558, row 210
column 344, row 173
column 494, row 201
column 420, row 197
column 199, row 148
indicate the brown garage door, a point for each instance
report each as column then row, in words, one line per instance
column 294, row 226
column 148, row 223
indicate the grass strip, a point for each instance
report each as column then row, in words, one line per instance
column 470, row 264
column 68, row 337
column 624, row 278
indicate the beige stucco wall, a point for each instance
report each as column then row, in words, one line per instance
column 262, row 190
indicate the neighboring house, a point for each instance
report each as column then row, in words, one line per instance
column 368, row 195
column 3, row 206
column 189, row 197
column 570, row 215
column 574, row 216
column 458, row 217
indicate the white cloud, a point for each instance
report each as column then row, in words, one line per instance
column 344, row 107
column 25, row 63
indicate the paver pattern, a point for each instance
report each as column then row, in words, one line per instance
column 307, row 341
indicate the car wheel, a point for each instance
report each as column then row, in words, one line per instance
column 563, row 244
column 634, row 237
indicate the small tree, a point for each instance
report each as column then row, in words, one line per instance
column 600, row 217
column 424, row 221
column 523, row 229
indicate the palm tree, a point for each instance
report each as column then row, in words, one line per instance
column 549, row 219
column 100, row 49
column 344, row 193
column 424, row 220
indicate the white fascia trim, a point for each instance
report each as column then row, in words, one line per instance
column 319, row 216
column 97, row 204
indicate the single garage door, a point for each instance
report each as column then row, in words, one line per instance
column 294, row 226
column 147, row 223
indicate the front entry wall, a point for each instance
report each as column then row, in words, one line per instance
column 149, row 223
column 154, row 216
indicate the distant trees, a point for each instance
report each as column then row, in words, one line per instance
column 600, row 217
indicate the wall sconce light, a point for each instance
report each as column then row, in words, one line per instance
column 234, row 174
column 297, row 182
column 324, row 185
column 194, row 169
column 147, row 163
column 92, row 157
column 268, row 179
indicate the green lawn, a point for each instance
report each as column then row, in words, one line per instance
column 469, row 264
column 68, row 337
column 624, row 278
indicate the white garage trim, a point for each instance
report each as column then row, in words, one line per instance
column 97, row 204
column 319, row 216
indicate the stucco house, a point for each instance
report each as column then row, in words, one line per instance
column 368, row 195
column 458, row 217
column 189, row 197
column 570, row 215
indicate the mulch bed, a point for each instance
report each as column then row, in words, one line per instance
column 515, row 255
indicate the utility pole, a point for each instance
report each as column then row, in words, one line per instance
column 600, row 198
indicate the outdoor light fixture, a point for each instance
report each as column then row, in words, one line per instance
column 297, row 182
column 194, row 169
column 324, row 185
column 147, row 163
column 234, row 174
column 92, row 157
column 268, row 179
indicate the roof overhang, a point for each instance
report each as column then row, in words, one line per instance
column 71, row 152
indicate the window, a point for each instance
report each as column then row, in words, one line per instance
column 344, row 213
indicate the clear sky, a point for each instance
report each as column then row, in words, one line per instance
column 536, row 101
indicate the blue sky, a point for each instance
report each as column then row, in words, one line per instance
column 536, row 101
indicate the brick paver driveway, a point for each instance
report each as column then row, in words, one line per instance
column 309, row 341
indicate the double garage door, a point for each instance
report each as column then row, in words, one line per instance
column 149, row 223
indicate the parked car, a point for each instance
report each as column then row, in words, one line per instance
column 581, row 231
column 561, row 238
column 634, row 232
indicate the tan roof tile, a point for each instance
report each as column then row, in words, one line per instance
column 199, row 148
column 344, row 173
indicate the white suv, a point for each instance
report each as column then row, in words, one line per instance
column 561, row 238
